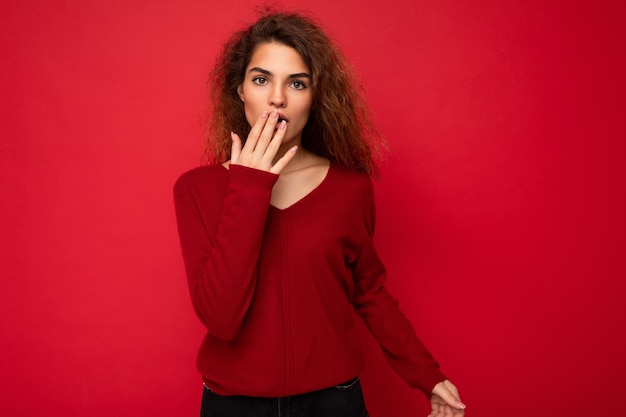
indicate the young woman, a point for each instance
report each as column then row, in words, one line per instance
column 277, row 235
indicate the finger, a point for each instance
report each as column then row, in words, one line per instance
column 435, row 410
column 284, row 160
column 455, row 412
column 268, row 132
column 452, row 400
column 235, row 148
column 448, row 411
column 452, row 388
column 275, row 143
column 255, row 132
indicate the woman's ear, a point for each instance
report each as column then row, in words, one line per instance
column 240, row 92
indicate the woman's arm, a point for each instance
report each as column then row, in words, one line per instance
column 403, row 350
column 221, row 249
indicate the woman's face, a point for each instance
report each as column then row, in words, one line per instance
column 278, row 78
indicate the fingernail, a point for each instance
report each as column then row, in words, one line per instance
column 460, row 405
column 264, row 114
column 282, row 125
column 275, row 114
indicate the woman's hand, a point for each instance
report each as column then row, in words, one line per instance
column 445, row 401
column 263, row 143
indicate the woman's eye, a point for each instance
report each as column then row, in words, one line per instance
column 259, row 80
column 298, row 85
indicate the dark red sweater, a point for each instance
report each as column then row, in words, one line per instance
column 275, row 288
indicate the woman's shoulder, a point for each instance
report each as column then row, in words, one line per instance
column 202, row 175
column 355, row 188
column 349, row 177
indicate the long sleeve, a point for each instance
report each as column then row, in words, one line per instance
column 221, row 217
column 403, row 350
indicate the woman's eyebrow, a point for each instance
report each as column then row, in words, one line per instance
column 269, row 74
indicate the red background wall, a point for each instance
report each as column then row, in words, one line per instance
column 501, row 208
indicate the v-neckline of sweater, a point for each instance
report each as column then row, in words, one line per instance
column 307, row 195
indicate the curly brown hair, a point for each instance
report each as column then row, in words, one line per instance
column 340, row 125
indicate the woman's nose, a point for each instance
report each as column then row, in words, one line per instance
column 277, row 98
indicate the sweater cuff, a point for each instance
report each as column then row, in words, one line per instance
column 429, row 384
column 252, row 177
